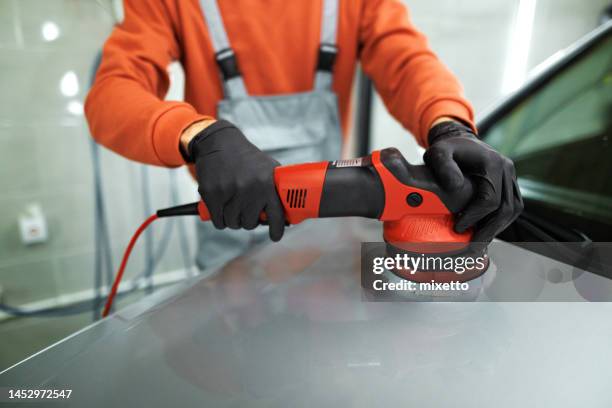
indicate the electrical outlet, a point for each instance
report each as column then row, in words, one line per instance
column 33, row 225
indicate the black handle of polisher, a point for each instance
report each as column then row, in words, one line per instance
column 420, row 176
column 355, row 188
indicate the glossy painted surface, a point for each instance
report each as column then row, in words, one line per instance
column 286, row 326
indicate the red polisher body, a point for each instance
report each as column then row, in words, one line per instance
column 383, row 185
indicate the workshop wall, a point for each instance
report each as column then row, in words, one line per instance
column 47, row 50
column 484, row 41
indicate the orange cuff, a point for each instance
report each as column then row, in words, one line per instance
column 445, row 107
column 167, row 131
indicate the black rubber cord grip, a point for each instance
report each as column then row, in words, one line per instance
column 185, row 209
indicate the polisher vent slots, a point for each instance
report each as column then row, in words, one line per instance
column 296, row 198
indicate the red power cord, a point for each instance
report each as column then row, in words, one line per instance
column 126, row 255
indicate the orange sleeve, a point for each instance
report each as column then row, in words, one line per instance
column 414, row 85
column 124, row 108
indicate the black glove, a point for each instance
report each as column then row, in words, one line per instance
column 455, row 150
column 236, row 179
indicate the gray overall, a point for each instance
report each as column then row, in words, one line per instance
column 292, row 128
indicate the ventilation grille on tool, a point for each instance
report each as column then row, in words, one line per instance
column 296, row 197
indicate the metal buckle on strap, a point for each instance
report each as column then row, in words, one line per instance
column 327, row 57
column 228, row 65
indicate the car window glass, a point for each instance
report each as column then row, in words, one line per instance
column 560, row 138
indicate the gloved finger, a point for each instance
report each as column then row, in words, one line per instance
column 440, row 161
column 231, row 212
column 485, row 201
column 216, row 215
column 502, row 217
column 214, row 205
column 249, row 217
column 275, row 217
column 518, row 199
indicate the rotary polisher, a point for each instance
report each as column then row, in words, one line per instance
column 417, row 214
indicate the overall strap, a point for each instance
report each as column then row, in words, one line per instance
column 224, row 54
column 327, row 46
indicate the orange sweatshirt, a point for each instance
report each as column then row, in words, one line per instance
column 276, row 44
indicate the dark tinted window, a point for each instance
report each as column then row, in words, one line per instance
column 561, row 140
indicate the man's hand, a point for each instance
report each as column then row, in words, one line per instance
column 236, row 179
column 455, row 150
